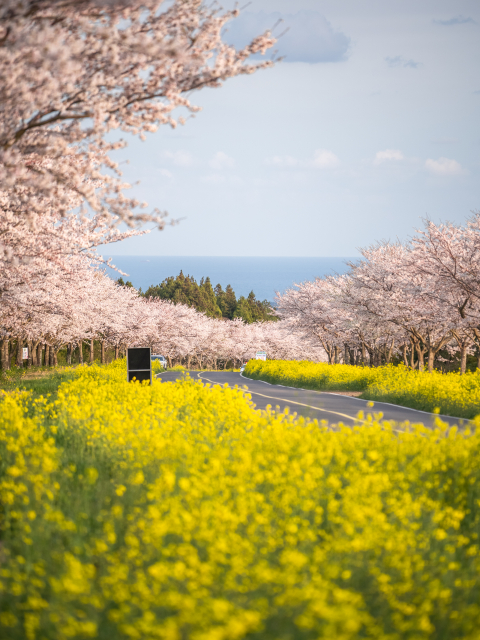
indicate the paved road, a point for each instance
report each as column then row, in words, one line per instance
column 312, row 404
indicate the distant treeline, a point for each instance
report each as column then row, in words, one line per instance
column 214, row 302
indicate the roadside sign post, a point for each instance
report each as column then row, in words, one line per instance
column 25, row 353
column 261, row 355
column 139, row 364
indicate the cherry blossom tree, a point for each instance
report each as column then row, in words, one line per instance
column 411, row 301
column 449, row 256
column 74, row 72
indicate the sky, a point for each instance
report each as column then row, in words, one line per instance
column 368, row 125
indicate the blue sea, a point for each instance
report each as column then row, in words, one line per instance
column 263, row 276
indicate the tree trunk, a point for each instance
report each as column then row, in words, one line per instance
column 336, row 354
column 431, row 359
column 412, row 355
column 30, row 353
column 19, row 352
column 51, row 357
column 370, row 357
column 47, row 355
column 91, row 355
column 12, row 354
column 103, row 352
column 463, row 358
column 80, row 352
column 69, row 353
column 382, row 355
column 347, row 354
column 390, row 351
column 364, row 354
column 404, row 354
column 420, row 353
column 40, row 354
column 4, row 354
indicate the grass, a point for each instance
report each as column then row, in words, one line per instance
column 38, row 381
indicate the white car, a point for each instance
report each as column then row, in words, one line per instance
column 163, row 360
column 242, row 368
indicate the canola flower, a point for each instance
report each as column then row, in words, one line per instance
column 451, row 394
column 176, row 511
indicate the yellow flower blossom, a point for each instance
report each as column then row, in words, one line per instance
column 177, row 511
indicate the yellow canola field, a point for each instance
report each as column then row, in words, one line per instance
column 176, row 511
column 451, row 394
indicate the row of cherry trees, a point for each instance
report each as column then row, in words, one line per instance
column 74, row 308
column 74, row 76
column 418, row 301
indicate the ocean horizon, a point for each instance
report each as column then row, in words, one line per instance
column 262, row 275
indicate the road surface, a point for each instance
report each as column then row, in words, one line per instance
column 312, row 404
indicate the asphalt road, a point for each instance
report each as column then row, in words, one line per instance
column 313, row 404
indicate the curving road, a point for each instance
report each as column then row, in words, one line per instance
column 312, row 404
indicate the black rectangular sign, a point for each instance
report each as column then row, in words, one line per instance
column 139, row 364
column 139, row 358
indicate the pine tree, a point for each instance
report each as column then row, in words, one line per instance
column 214, row 302
column 210, row 301
column 242, row 310
column 121, row 282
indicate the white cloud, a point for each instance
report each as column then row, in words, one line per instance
column 400, row 61
column 324, row 159
column 180, row 158
column 454, row 21
column 388, row 154
column 444, row 167
column 282, row 161
column 305, row 36
column 166, row 173
column 221, row 161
